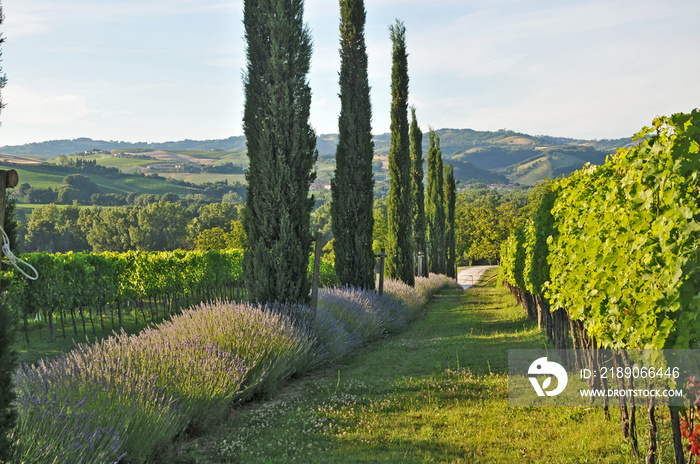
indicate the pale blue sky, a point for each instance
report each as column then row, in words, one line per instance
column 158, row 70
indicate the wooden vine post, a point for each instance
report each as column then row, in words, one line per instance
column 316, row 274
column 382, row 258
column 8, row 179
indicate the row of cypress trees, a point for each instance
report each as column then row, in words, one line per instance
column 440, row 211
column 418, row 222
column 282, row 152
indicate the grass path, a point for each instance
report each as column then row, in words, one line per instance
column 435, row 393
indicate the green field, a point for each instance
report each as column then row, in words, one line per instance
column 42, row 176
column 125, row 165
column 201, row 178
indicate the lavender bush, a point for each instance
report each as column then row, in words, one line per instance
column 434, row 282
column 334, row 339
column 144, row 389
column 62, row 431
column 360, row 311
column 269, row 341
column 49, row 394
column 131, row 395
column 409, row 298
column 349, row 317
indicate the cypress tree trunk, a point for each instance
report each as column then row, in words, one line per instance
column 450, row 205
column 399, row 242
column 418, row 190
column 352, row 186
column 281, row 149
column 435, row 207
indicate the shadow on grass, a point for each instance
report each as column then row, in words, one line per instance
column 473, row 328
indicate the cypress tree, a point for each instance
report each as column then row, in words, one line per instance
column 8, row 358
column 352, row 186
column 281, row 149
column 435, row 207
column 399, row 261
column 450, row 205
column 417, row 190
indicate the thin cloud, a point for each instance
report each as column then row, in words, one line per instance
column 25, row 18
column 39, row 109
column 32, row 17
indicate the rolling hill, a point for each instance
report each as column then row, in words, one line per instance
column 478, row 156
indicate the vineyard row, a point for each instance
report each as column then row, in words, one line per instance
column 611, row 257
column 77, row 290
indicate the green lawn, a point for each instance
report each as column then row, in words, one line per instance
column 435, row 394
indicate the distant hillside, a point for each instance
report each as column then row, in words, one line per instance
column 479, row 156
column 467, row 173
column 69, row 147
column 523, row 158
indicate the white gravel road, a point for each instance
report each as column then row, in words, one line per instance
column 469, row 276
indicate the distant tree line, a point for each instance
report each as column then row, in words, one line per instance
column 223, row 168
column 484, row 218
column 160, row 226
column 89, row 166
